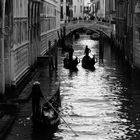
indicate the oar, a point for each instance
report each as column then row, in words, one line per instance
column 61, row 117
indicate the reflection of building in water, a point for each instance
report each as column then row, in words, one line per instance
column 29, row 26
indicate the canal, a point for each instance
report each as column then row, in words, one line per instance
column 99, row 105
column 103, row 104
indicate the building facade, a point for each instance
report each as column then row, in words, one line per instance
column 26, row 28
column 66, row 10
column 78, row 8
column 6, row 23
column 110, row 10
column 71, row 9
column 99, row 6
column 133, row 27
column 87, row 8
column 50, row 24
column 121, row 23
column 128, row 30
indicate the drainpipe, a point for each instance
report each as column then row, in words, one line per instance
column 2, row 50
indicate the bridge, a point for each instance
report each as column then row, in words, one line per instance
column 97, row 26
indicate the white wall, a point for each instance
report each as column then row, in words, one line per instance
column 101, row 11
column 78, row 3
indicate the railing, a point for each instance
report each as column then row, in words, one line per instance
column 86, row 21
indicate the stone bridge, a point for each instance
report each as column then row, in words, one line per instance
column 99, row 27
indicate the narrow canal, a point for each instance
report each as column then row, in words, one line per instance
column 96, row 105
column 99, row 105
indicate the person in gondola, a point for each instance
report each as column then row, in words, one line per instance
column 87, row 51
column 71, row 50
column 36, row 94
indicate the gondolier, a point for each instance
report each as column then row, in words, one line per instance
column 71, row 50
column 36, row 94
column 87, row 51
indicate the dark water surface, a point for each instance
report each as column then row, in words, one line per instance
column 99, row 105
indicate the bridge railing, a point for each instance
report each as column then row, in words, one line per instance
column 87, row 21
column 104, row 23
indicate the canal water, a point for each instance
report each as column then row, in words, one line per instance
column 99, row 105
column 96, row 105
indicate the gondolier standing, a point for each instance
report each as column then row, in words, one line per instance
column 71, row 50
column 36, row 94
column 87, row 51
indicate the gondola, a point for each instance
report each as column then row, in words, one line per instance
column 47, row 117
column 50, row 115
column 88, row 62
column 71, row 64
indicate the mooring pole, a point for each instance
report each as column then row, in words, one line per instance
column 56, row 49
column 101, row 46
column 49, row 55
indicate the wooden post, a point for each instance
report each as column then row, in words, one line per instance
column 64, row 31
column 49, row 55
column 101, row 47
column 56, row 49
column 61, row 32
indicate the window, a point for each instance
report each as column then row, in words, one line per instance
column 75, row 9
column 98, row 5
column 61, row 16
column 81, row 8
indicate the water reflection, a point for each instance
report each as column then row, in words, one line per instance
column 104, row 104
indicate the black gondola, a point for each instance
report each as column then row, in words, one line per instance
column 88, row 62
column 71, row 64
column 48, row 116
